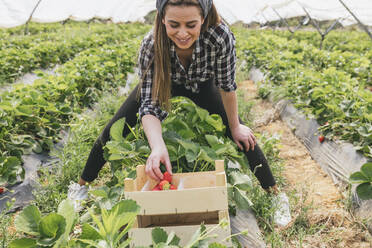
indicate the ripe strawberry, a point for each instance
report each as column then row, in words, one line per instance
column 164, row 185
column 173, row 187
column 167, row 176
column 156, row 188
column 2, row 190
column 321, row 138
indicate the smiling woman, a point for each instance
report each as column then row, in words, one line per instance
column 191, row 53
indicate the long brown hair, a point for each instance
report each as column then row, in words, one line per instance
column 161, row 89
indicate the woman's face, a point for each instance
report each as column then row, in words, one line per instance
column 183, row 24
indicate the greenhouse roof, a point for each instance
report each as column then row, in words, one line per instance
column 17, row 12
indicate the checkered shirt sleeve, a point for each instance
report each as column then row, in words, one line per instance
column 146, row 68
column 225, row 59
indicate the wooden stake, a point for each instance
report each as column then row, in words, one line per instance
column 141, row 176
column 129, row 185
column 220, row 165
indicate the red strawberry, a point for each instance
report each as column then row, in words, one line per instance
column 173, row 187
column 167, row 176
column 164, row 185
column 321, row 138
column 156, row 188
column 2, row 190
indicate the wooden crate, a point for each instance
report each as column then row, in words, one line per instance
column 202, row 199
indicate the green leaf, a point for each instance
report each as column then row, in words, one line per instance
column 196, row 236
column 116, row 130
column 207, row 156
column 241, row 199
column 364, row 191
column 173, row 154
column 36, row 147
column 6, row 107
column 110, row 64
column 51, row 228
column 114, row 157
column 90, row 233
column 99, row 193
column 23, row 243
column 24, row 110
column 159, row 235
column 366, row 169
column 28, row 220
column 358, row 177
column 216, row 122
column 67, row 210
column 212, row 140
column 173, row 239
column 240, row 180
column 191, row 156
column 126, row 206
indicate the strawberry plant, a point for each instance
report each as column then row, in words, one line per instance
column 32, row 116
column 364, row 180
column 328, row 85
column 26, row 53
column 55, row 229
column 190, row 149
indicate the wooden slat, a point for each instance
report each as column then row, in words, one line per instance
column 220, row 165
column 220, row 179
column 223, row 214
column 141, row 176
column 129, row 185
column 179, row 219
column 180, row 201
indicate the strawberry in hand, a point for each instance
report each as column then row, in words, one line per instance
column 167, row 177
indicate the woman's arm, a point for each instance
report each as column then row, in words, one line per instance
column 239, row 132
column 159, row 152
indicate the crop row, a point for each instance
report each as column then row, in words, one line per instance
column 337, row 40
column 358, row 65
column 336, row 98
column 34, row 28
column 23, row 54
column 33, row 115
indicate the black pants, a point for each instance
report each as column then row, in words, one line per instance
column 208, row 98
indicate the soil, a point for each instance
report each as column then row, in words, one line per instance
column 325, row 201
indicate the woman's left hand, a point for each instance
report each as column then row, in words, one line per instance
column 242, row 134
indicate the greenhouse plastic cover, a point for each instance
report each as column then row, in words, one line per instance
column 17, row 12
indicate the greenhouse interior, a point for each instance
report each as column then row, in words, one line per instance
column 186, row 123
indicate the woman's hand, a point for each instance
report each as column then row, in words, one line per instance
column 242, row 134
column 159, row 152
column 158, row 155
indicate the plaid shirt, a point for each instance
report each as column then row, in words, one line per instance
column 213, row 57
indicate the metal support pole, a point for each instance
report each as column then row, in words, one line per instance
column 330, row 28
column 316, row 25
column 284, row 20
column 357, row 19
column 29, row 19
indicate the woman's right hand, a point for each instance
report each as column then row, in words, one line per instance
column 158, row 155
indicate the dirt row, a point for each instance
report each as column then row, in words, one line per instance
column 312, row 187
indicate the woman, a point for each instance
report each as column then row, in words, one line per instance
column 191, row 53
